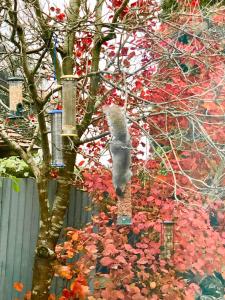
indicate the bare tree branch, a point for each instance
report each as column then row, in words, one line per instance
column 94, row 138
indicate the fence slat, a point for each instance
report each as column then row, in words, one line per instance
column 6, row 200
column 19, row 223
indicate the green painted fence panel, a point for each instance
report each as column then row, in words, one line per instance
column 19, row 228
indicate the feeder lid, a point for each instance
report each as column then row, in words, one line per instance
column 58, row 165
column 16, row 78
column 124, row 220
column 55, row 111
column 69, row 130
column 69, row 77
column 168, row 222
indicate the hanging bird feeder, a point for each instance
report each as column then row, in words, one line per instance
column 15, row 98
column 124, row 205
column 69, row 83
column 15, row 92
column 56, row 138
column 167, row 239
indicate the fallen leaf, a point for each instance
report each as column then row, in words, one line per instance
column 18, row 286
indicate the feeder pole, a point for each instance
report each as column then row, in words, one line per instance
column 69, row 87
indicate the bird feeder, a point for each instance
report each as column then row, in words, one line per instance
column 15, row 92
column 69, row 83
column 56, row 138
column 124, row 205
column 167, row 239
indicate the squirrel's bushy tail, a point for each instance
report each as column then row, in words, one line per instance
column 119, row 147
column 117, row 122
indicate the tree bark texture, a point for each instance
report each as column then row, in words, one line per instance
column 42, row 277
column 51, row 224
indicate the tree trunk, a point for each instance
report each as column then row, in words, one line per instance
column 51, row 224
column 42, row 275
column 44, row 251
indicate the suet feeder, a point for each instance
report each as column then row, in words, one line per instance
column 69, row 83
column 56, row 138
column 124, row 205
column 167, row 239
column 15, row 92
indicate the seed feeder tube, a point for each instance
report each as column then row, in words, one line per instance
column 56, row 138
column 15, row 92
column 69, row 83
column 167, row 239
column 124, row 205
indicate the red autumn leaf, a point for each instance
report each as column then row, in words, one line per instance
column 221, row 251
column 128, row 247
column 131, row 55
column 106, row 261
column 110, row 249
column 91, row 249
column 66, row 293
column 142, row 261
column 138, row 84
column 116, row 3
column 194, row 3
column 79, row 287
column 121, row 259
column 119, row 295
column 60, row 17
column 18, row 286
column 126, row 63
column 124, row 51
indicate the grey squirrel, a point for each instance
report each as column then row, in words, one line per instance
column 120, row 147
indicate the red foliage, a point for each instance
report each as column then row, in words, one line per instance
column 186, row 129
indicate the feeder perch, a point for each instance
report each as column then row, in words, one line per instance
column 15, row 92
column 56, row 138
column 167, row 239
column 69, row 83
column 124, row 205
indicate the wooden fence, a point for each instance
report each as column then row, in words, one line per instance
column 19, row 228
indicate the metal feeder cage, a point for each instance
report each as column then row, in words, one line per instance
column 69, row 83
column 15, row 92
column 56, row 138
column 167, row 239
column 124, row 205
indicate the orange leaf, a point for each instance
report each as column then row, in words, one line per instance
column 63, row 271
column 106, row 261
column 18, row 286
column 80, row 247
column 75, row 236
column 152, row 285
column 51, row 297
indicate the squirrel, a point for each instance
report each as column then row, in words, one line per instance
column 120, row 147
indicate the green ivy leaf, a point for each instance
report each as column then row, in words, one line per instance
column 15, row 183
